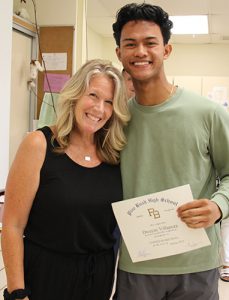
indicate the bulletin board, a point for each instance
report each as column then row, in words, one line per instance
column 54, row 39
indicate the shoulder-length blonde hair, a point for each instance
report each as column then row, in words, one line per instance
column 110, row 139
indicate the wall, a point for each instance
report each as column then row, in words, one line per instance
column 109, row 50
column 202, row 68
column 102, row 47
column 66, row 13
column 95, row 44
column 80, row 44
column 191, row 60
column 50, row 12
column 6, row 8
column 28, row 6
column 56, row 12
column 195, row 60
column 205, row 60
column 20, row 94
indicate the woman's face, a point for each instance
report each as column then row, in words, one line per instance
column 95, row 107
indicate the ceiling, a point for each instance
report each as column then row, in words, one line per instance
column 101, row 16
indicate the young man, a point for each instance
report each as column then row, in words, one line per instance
column 175, row 137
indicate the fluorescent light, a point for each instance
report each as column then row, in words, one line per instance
column 190, row 24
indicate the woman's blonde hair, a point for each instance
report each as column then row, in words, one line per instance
column 110, row 139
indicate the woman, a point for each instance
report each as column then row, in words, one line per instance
column 59, row 193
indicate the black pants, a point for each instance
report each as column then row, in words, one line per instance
column 57, row 276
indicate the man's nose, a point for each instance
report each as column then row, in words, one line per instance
column 140, row 51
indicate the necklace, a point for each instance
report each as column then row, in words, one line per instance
column 87, row 158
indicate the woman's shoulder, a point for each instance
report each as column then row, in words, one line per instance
column 31, row 152
column 35, row 141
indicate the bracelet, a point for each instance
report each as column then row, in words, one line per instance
column 16, row 294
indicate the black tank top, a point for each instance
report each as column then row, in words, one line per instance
column 72, row 209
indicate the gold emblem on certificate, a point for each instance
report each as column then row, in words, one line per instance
column 151, row 228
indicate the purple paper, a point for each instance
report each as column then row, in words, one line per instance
column 56, row 82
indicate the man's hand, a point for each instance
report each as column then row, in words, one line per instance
column 200, row 213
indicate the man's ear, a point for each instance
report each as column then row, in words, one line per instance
column 118, row 53
column 168, row 50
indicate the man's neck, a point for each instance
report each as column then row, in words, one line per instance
column 153, row 93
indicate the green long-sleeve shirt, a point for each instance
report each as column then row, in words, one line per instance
column 184, row 140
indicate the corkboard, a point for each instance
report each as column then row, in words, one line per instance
column 56, row 39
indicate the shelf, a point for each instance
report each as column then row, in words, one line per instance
column 24, row 23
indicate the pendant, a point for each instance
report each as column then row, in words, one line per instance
column 87, row 158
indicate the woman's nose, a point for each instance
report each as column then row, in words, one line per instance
column 100, row 105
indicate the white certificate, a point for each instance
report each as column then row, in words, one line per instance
column 151, row 228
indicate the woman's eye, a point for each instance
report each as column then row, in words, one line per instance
column 109, row 102
column 93, row 95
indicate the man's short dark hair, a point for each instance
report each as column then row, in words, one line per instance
column 144, row 12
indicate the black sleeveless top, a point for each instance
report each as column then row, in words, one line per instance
column 72, row 210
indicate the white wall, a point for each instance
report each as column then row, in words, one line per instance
column 17, row 5
column 199, row 60
column 80, row 43
column 185, row 60
column 101, row 47
column 50, row 12
column 95, row 44
column 20, row 94
column 56, row 12
column 109, row 50
column 6, row 8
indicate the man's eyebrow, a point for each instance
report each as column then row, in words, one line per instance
column 128, row 40
column 151, row 37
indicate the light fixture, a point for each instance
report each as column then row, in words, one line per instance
column 196, row 24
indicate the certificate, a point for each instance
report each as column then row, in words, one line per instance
column 151, row 228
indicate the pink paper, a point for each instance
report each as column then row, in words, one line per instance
column 56, row 82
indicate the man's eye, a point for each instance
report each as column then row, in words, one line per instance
column 130, row 45
column 151, row 44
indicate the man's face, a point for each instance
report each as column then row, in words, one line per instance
column 142, row 50
column 129, row 84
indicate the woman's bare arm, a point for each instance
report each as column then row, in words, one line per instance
column 22, row 184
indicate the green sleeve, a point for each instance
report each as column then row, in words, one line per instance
column 219, row 151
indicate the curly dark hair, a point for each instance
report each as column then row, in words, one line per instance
column 146, row 12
